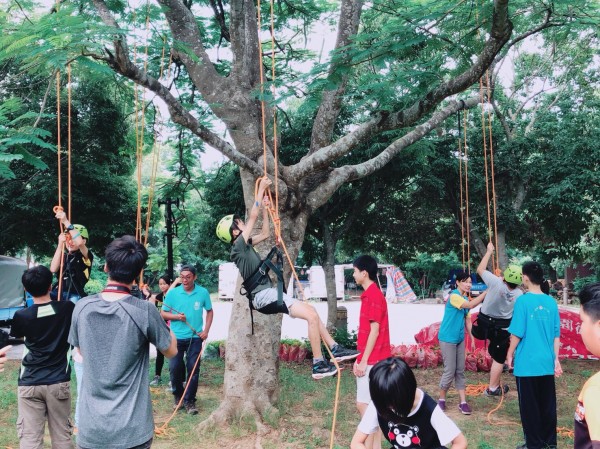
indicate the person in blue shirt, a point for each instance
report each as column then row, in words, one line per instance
column 184, row 306
column 533, row 351
column 452, row 340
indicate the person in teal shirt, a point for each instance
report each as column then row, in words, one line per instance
column 534, row 345
column 452, row 340
column 184, row 306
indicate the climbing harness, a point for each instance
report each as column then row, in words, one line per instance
column 273, row 210
column 261, row 277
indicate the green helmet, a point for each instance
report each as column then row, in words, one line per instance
column 83, row 231
column 513, row 274
column 224, row 228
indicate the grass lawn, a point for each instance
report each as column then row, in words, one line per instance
column 306, row 408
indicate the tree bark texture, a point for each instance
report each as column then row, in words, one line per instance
column 251, row 381
column 329, row 245
column 251, row 384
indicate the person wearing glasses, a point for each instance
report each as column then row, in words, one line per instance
column 184, row 306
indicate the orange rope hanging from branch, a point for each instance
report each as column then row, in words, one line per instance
column 155, row 162
column 467, row 217
column 274, row 209
column 492, row 170
column 462, row 201
column 59, row 174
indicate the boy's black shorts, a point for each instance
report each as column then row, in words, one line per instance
column 498, row 345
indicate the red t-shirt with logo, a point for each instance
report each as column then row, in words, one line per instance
column 373, row 307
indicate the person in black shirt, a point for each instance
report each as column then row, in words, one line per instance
column 77, row 262
column 44, row 387
column 164, row 283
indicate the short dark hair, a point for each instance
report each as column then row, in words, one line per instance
column 393, row 386
column 511, row 285
column 589, row 298
column 233, row 226
column 368, row 264
column 190, row 268
column 125, row 257
column 462, row 276
column 535, row 273
column 37, row 281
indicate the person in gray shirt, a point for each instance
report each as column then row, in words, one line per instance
column 113, row 331
column 495, row 315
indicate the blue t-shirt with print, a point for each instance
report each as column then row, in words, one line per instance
column 536, row 322
column 192, row 305
column 452, row 329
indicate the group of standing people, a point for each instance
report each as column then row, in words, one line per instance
column 111, row 333
column 523, row 333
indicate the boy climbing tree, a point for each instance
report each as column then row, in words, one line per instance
column 262, row 295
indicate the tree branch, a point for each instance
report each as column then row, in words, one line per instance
column 44, row 100
column 347, row 173
column 499, row 35
column 220, row 18
column 121, row 63
column 187, row 35
column 331, row 101
column 502, row 118
column 244, row 43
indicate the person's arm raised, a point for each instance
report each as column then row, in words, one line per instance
column 486, row 259
column 253, row 216
column 266, row 229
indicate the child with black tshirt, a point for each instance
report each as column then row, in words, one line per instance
column 44, row 391
column 407, row 416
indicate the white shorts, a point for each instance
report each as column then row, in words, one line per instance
column 362, row 387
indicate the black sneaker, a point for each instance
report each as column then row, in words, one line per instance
column 323, row 369
column 340, row 353
column 156, row 381
column 500, row 391
column 190, row 408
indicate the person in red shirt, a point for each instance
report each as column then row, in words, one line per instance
column 373, row 335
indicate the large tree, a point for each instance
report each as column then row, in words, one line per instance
column 409, row 60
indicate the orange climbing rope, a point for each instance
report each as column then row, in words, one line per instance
column 461, row 207
column 492, row 170
column 155, row 163
column 59, row 174
column 273, row 208
column 467, row 216
column 161, row 431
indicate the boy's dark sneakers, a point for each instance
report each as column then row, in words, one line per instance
column 156, row 381
column 323, row 369
column 500, row 391
column 340, row 353
column 190, row 408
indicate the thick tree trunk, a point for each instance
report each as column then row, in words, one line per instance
column 251, row 380
column 501, row 249
column 329, row 245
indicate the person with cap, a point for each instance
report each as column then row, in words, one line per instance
column 183, row 306
column 76, row 262
column 495, row 316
